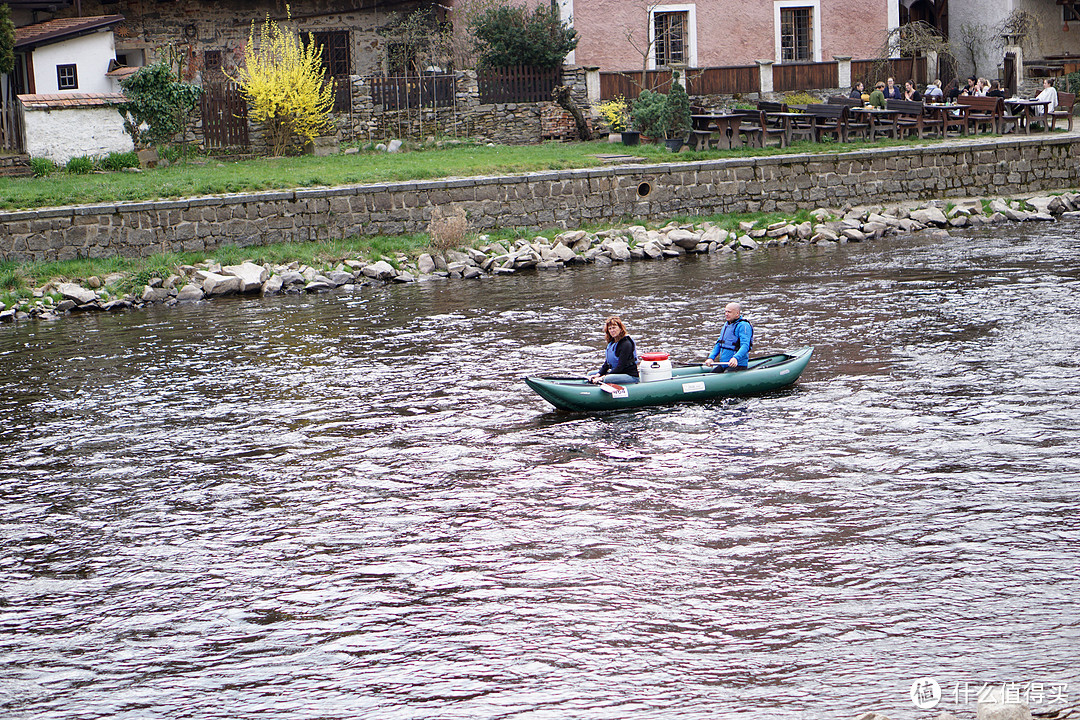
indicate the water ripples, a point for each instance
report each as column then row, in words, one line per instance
column 351, row 506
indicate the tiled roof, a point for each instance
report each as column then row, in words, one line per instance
column 122, row 72
column 53, row 101
column 30, row 36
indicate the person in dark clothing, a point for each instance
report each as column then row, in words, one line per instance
column 620, row 358
column 995, row 90
column 732, row 348
column 893, row 91
column 856, row 91
column 910, row 93
column 952, row 91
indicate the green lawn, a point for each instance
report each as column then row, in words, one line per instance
column 208, row 176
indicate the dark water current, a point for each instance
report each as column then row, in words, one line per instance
column 350, row 506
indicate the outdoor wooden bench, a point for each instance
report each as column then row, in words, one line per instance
column 757, row 129
column 987, row 112
column 779, row 121
column 912, row 117
column 700, row 139
column 861, row 128
column 1064, row 110
column 828, row 119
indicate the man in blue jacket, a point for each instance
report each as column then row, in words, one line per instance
column 732, row 348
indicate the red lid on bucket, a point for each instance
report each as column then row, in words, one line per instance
column 653, row 357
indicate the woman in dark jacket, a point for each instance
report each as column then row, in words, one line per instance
column 620, row 358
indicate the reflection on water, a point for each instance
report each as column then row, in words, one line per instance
column 350, row 505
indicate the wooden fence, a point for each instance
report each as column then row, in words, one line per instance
column 517, row 84
column 902, row 69
column 732, row 79
column 788, row 77
column 409, row 93
column 723, row 80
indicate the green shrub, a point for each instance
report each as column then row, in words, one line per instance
column 651, row 114
column 678, row 110
column 1072, row 80
column 42, row 167
column 118, row 161
column 80, row 165
column 506, row 35
column 157, row 104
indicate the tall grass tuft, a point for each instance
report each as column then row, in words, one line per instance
column 448, row 230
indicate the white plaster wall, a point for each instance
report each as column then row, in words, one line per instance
column 63, row 134
column 91, row 55
column 983, row 14
column 1053, row 38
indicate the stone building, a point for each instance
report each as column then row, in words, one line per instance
column 209, row 35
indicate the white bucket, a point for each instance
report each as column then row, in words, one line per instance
column 654, row 366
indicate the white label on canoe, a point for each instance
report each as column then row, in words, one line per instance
column 784, row 372
column 693, row 387
column 616, row 391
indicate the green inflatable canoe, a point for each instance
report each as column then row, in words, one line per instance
column 688, row 384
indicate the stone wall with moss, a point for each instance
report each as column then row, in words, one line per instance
column 566, row 198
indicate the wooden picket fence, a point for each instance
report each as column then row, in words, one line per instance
column 412, row 92
column 517, row 84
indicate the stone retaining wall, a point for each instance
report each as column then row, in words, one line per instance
column 563, row 198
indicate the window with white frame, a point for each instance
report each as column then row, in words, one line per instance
column 797, row 24
column 67, row 77
column 669, row 29
column 672, row 35
column 796, row 34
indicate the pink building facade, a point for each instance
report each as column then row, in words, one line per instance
column 627, row 34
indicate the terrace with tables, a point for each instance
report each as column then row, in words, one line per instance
column 845, row 119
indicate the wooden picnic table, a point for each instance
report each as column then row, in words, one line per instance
column 878, row 118
column 725, row 125
column 950, row 114
column 1025, row 110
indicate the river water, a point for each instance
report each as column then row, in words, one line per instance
column 350, row 506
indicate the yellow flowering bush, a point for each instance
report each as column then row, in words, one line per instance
column 283, row 81
column 616, row 113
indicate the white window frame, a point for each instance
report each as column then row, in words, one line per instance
column 566, row 14
column 815, row 12
column 691, row 31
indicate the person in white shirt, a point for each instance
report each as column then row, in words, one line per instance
column 1048, row 94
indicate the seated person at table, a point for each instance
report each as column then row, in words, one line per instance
column 620, row 358
column 982, row 86
column 733, row 345
column 893, row 91
column 910, row 93
column 1048, row 94
column 952, row 91
column 995, row 90
column 969, row 89
column 856, row 91
column 877, row 98
column 933, row 90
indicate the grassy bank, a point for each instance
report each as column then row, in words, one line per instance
column 127, row 275
column 208, row 176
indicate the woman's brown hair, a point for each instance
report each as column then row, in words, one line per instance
column 618, row 323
